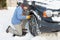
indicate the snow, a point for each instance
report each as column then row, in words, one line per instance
column 38, row 38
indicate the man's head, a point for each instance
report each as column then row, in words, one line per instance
column 25, row 5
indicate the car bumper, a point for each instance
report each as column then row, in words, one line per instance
column 49, row 27
column 57, row 19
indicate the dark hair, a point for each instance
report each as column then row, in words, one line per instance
column 18, row 3
column 25, row 3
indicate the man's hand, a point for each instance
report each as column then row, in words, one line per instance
column 28, row 17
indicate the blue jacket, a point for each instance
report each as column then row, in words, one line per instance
column 17, row 17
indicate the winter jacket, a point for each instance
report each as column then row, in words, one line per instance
column 17, row 17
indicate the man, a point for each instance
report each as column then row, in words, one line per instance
column 19, row 20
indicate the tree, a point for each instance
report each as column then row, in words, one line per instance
column 2, row 4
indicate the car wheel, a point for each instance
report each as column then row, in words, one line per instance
column 33, row 26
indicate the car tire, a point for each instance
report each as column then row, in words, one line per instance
column 33, row 25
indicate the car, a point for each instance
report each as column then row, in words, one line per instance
column 45, row 17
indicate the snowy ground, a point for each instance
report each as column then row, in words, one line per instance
column 5, row 20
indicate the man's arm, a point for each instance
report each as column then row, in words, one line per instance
column 19, row 13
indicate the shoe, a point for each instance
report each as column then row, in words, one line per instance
column 7, row 30
column 24, row 33
column 14, row 35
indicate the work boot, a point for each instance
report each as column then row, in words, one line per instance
column 14, row 35
column 24, row 31
column 7, row 30
column 23, row 34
